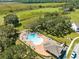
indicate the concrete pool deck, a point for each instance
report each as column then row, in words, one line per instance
column 38, row 48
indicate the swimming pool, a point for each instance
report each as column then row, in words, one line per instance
column 35, row 38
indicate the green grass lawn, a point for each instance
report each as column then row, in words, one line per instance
column 31, row 13
column 30, row 16
column 74, row 16
column 6, row 7
column 1, row 19
column 63, row 39
column 48, row 4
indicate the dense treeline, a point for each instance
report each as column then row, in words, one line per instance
column 38, row 1
column 35, row 1
column 75, row 3
column 41, row 1
column 52, row 23
column 72, row 3
column 8, row 37
column 6, row 7
column 5, row 0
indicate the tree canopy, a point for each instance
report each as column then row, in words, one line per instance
column 8, row 47
column 14, row 52
column 8, row 36
column 11, row 19
column 73, row 3
column 19, row 52
column 54, row 24
column 38, row 1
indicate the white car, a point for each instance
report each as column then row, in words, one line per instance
column 73, row 55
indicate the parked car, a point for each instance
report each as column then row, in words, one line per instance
column 73, row 55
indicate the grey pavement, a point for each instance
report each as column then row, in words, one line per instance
column 76, row 49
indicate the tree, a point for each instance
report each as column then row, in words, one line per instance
column 1, row 47
column 54, row 24
column 18, row 52
column 11, row 19
column 8, row 36
column 14, row 52
column 68, row 8
column 74, row 3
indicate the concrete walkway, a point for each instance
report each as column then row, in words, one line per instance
column 71, row 45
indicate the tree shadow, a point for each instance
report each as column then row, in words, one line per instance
column 18, row 25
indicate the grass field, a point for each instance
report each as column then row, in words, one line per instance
column 23, row 12
column 36, row 12
column 30, row 14
column 6, row 7
column 66, row 39
column 74, row 16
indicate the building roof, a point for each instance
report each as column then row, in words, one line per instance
column 53, row 49
column 76, row 23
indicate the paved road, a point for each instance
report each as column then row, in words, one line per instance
column 71, row 45
column 76, row 49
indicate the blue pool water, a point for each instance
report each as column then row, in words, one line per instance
column 34, row 38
